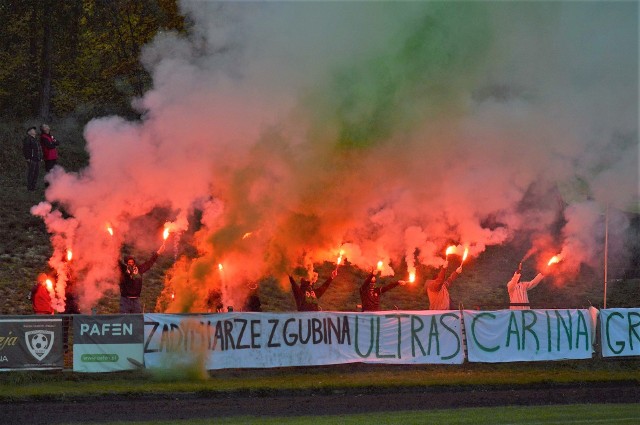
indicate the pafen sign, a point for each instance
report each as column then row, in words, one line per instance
column 529, row 335
column 107, row 343
column 262, row 340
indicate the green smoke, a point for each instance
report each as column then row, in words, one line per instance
column 429, row 66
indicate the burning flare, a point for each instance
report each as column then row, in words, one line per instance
column 109, row 229
column 165, row 234
column 380, row 265
column 69, row 255
column 450, row 250
column 49, row 284
column 555, row 259
column 220, row 266
column 412, row 277
column 466, row 253
column 246, row 235
column 339, row 260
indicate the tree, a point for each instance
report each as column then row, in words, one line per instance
column 77, row 55
column 46, row 62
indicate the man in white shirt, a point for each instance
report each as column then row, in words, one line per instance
column 438, row 289
column 518, row 296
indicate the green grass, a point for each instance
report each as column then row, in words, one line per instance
column 324, row 379
column 534, row 415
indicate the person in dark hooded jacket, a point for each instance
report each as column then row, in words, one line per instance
column 33, row 155
column 131, row 282
column 370, row 293
column 306, row 296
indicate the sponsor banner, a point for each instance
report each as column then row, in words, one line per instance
column 620, row 332
column 107, row 343
column 529, row 335
column 263, row 340
column 31, row 342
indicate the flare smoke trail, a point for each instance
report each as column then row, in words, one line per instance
column 388, row 130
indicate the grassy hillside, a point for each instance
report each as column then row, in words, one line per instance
column 25, row 249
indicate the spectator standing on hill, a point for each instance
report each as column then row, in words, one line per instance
column 70, row 306
column 370, row 293
column 70, row 293
column 40, row 297
column 131, row 282
column 306, row 296
column 49, row 146
column 438, row 289
column 33, row 155
column 518, row 291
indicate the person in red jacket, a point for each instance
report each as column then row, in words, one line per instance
column 49, row 146
column 40, row 297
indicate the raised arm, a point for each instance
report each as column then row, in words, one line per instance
column 391, row 285
column 436, row 284
column 297, row 295
column 452, row 277
column 323, row 288
column 514, row 281
column 366, row 283
column 535, row 281
column 294, row 285
column 147, row 264
column 122, row 265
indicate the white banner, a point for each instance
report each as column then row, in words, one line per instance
column 620, row 332
column 529, row 335
column 263, row 340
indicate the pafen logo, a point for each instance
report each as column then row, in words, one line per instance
column 39, row 343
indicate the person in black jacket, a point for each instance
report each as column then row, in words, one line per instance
column 306, row 296
column 131, row 282
column 33, row 155
column 370, row 293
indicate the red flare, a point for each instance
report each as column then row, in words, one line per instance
column 450, row 250
column 466, row 253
